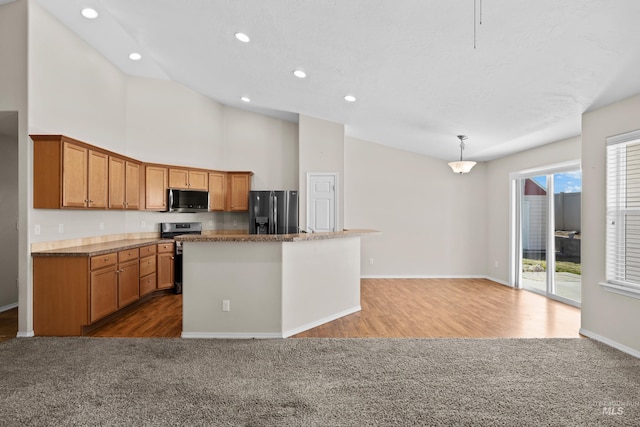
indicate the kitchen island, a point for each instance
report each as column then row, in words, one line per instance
column 239, row 285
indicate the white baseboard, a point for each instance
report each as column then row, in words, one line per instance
column 231, row 335
column 28, row 334
column 633, row 352
column 322, row 321
column 8, row 307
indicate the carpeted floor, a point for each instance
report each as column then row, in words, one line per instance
column 316, row 382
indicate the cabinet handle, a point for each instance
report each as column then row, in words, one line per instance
column 106, row 258
column 173, row 257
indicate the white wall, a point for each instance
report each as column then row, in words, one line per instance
column 433, row 222
column 264, row 145
column 610, row 316
column 322, row 149
column 13, row 99
column 498, row 198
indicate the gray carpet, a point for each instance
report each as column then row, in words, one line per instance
column 316, row 382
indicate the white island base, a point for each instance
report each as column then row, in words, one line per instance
column 273, row 289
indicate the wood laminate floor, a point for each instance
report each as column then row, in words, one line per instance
column 392, row 308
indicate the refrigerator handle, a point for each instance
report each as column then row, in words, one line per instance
column 275, row 215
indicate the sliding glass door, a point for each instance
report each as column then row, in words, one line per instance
column 548, row 233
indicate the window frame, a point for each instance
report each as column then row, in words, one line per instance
column 616, row 215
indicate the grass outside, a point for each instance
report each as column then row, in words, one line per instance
column 561, row 266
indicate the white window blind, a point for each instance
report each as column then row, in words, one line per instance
column 623, row 213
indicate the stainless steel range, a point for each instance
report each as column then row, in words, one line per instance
column 169, row 230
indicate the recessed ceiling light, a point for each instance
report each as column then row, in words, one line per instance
column 245, row 99
column 89, row 13
column 350, row 98
column 135, row 56
column 243, row 37
column 299, row 74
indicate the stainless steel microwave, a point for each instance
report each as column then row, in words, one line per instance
column 188, row 200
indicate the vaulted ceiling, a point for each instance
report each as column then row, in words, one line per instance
column 510, row 74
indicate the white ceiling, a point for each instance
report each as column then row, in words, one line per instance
column 537, row 65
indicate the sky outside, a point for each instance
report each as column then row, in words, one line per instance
column 566, row 182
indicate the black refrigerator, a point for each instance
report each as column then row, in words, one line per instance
column 273, row 212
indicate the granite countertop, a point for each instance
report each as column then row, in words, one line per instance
column 244, row 236
column 101, row 248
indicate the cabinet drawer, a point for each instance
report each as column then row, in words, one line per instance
column 147, row 265
column 147, row 250
column 147, row 284
column 128, row 255
column 165, row 247
column 105, row 260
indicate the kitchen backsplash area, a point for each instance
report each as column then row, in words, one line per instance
column 50, row 225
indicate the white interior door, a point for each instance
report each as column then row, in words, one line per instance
column 321, row 202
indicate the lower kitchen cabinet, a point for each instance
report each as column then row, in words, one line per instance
column 165, row 270
column 103, row 293
column 147, row 282
column 74, row 291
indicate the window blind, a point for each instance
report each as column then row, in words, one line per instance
column 623, row 210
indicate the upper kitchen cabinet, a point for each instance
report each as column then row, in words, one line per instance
column 124, row 183
column 156, row 184
column 217, row 191
column 238, row 187
column 189, row 179
column 68, row 174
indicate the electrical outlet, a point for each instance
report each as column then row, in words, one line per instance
column 36, row 230
column 101, row 226
column 496, row 264
column 143, row 224
column 226, row 305
column 370, row 261
column 235, row 222
column 60, row 228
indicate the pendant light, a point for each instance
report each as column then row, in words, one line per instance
column 462, row 166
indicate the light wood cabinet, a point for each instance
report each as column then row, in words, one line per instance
column 147, row 269
column 103, row 286
column 165, row 266
column 217, row 191
column 156, row 185
column 188, row 179
column 128, row 277
column 98, row 176
column 72, row 174
column 238, row 187
column 75, row 169
column 72, row 292
column 124, row 184
column 69, row 174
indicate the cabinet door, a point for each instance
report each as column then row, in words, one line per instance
column 103, row 293
column 198, row 180
column 156, row 188
column 128, row 283
column 132, row 190
column 239, row 185
column 178, row 178
column 217, row 191
column 98, row 189
column 147, row 284
column 165, row 274
column 116, row 183
column 147, row 265
column 74, row 176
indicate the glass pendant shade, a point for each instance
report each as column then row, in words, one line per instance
column 462, row 166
